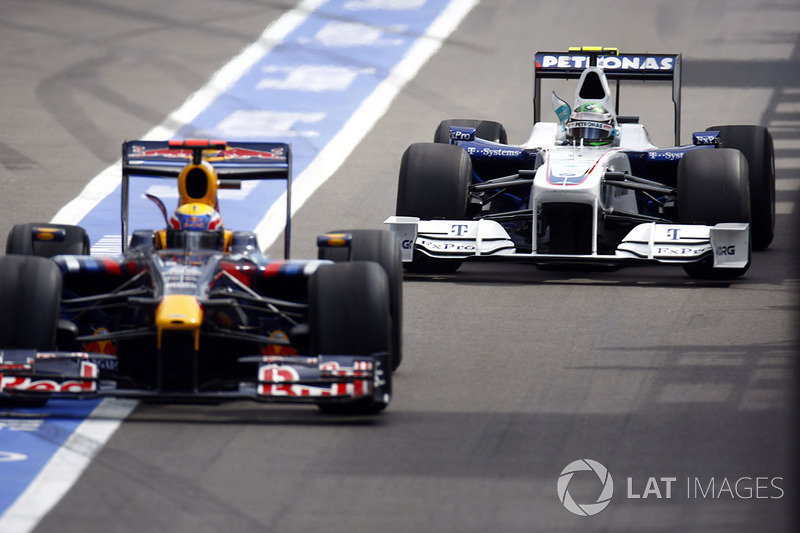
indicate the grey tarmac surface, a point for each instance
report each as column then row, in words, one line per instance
column 510, row 373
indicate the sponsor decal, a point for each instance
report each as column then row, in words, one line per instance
column 459, row 229
column 701, row 139
column 659, row 155
column 278, row 349
column 492, row 152
column 447, row 246
column 88, row 370
column 677, row 250
column 625, row 63
column 107, row 347
column 228, row 154
column 462, row 134
column 726, row 250
column 281, row 381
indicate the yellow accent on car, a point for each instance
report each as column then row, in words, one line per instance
column 179, row 312
column 198, row 183
column 49, row 234
column 228, row 240
column 608, row 50
column 161, row 239
column 336, row 239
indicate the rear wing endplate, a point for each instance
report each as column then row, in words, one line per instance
column 618, row 67
column 233, row 161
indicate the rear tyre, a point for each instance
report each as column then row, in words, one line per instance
column 484, row 129
column 21, row 241
column 433, row 184
column 350, row 314
column 755, row 142
column 30, row 297
column 380, row 246
column 713, row 188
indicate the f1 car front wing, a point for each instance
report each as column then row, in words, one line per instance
column 278, row 379
column 654, row 242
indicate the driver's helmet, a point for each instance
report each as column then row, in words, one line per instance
column 591, row 123
column 195, row 226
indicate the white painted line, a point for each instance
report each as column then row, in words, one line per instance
column 787, row 163
column 787, row 107
column 786, row 144
column 784, row 208
column 104, row 183
column 363, row 120
column 66, row 466
column 108, row 245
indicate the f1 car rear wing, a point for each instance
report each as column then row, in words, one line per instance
column 616, row 66
column 231, row 161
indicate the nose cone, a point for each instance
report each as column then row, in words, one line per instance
column 179, row 311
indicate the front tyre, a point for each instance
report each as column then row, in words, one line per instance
column 382, row 247
column 755, row 142
column 30, row 297
column 713, row 188
column 349, row 314
column 433, row 184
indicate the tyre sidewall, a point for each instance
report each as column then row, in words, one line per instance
column 349, row 315
column 30, row 297
column 434, row 182
column 713, row 188
column 756, row 143
column 382, row 247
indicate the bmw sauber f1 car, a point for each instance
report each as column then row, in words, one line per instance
column 196, row 311
column 590, row 187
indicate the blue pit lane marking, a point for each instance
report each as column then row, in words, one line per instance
column 302, row 92
column 30, row 437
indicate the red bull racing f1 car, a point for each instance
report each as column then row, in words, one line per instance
column 589, row 187
column 195, row 311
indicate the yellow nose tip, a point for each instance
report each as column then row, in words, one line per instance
column 179, row 311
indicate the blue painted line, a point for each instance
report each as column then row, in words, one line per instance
column 35, row 434
column 302, row 92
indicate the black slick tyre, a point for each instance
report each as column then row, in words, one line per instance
column 349, row 314
column 713, row 188
column 433, row 184
column 30, row 298
column 382, row 247
column 21, row 241
column 755, row 142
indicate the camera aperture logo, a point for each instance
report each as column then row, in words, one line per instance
column 585, row 509
column 748, row 487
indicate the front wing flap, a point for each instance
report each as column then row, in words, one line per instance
column 727, row 243
column 35, row 374
column 325, row 378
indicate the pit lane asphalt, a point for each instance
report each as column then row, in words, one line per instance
column 510, row 373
